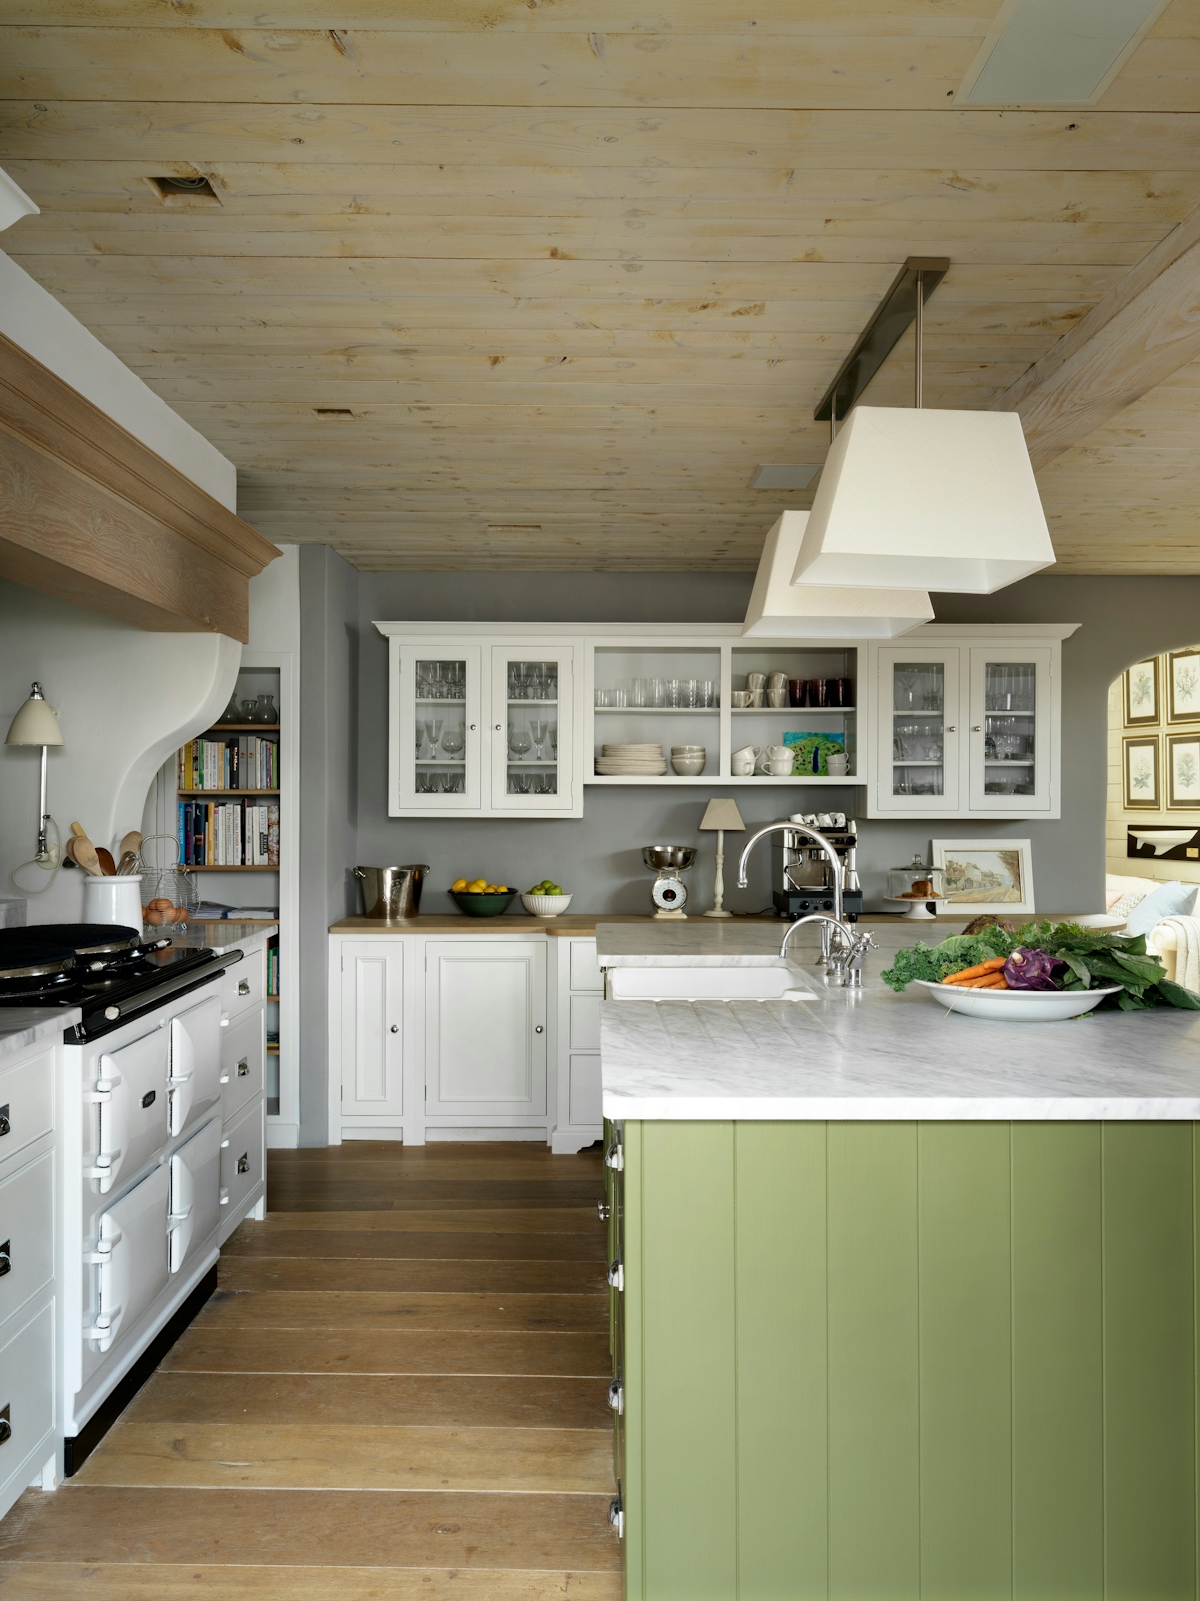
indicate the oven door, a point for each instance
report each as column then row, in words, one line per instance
column 195, row 1192
column 195, row 1073
column 130, row 1096
column 131, row 1253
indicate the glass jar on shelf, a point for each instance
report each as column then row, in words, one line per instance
column 918, row 888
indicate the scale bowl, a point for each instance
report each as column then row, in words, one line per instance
column 662, row 856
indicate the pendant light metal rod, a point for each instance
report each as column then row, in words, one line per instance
column 889, row 322
column 919, row 336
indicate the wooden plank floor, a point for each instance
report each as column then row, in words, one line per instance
column 398, row 1391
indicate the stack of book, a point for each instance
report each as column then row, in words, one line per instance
column 243, row 761
column 239, row 833
column 273, row 971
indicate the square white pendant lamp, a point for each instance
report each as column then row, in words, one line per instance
column 780, row 609
column 925, row 500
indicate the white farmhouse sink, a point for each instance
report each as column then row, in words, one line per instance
column 705, row 983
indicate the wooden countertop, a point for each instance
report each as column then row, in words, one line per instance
column 577, row 923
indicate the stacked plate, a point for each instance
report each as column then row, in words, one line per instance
column 631, row 761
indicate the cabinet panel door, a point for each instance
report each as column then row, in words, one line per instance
column 1010, row 731
column 530, row 728
column 918, row 757
column 372, row 1027
column 485, row 1027
column 436, row 698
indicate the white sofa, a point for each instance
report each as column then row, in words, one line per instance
column 1163, row 938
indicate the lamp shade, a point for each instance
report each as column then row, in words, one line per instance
column 723, row 814
column 781, row 609
column 35, row 723
column 924, row 499
column 14, row 202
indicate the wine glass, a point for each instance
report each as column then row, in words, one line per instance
column 539, row 728
column 433, row 733
column 519, row 743
column 453, row 741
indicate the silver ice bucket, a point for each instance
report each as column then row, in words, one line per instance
column 391, row 893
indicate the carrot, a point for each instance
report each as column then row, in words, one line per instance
column 990, row 981
column 993, row 965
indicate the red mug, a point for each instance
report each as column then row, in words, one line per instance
column 819, row 691
column 798, row 691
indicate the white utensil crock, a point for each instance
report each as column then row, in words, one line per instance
column 113, row 900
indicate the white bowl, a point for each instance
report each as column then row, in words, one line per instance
column 688, row 766
column 1016, row 1006
column 545, row 905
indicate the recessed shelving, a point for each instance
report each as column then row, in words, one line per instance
column 203, row 794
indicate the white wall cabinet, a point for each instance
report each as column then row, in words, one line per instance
column 493, row 1034
column 967, row 723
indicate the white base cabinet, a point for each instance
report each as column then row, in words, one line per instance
column 481, row 1036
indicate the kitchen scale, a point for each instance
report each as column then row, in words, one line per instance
column 669, row 892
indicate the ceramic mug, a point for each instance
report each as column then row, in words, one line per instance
column 798, row 691
column 756, row 681
column 836, row 765
column 776, row 753
column 777, row 697
column 779, row 769
column 740, row 697
column 776, row 680
column 748, row 753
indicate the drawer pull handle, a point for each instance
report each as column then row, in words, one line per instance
column 616, row 1397
column 616, row 1517
column 616, row 1275
column 243, row 986
column 244, row 1162
column 5, row 1423
column 5, row 1258
column 602, row 1208
column 614, row 1158
column 244, row 1067
column 5, row 1124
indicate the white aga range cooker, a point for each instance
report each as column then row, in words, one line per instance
column 141, row 1146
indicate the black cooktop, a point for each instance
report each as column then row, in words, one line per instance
column 107, row 970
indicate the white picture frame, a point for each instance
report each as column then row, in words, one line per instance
column 985, row 875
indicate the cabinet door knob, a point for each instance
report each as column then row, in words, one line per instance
column 977, row 728
column 5, row 1424
column 498, row 727
column 539, row 1029
column 5, row 1124
column 395, row 1029
column 243, row 986
column 5, row 1258
column 950, row 728
column 472, row 727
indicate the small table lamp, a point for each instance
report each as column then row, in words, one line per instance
column 721, row 815
column 37, row 724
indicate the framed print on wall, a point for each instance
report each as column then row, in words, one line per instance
column 1140, row 766
column 1141, row 693
column 1183, row 686
column 1183, row 772
column 986, row 875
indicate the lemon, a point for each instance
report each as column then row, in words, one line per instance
column 459, row 884
column 477, row 886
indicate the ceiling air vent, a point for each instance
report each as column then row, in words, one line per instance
column 175, row 191
column 514, row 528
column 333, row 411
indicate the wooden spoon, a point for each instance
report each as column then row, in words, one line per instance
column 131, row 844
column 86, row 857
column 107, row 866
column 79, row 831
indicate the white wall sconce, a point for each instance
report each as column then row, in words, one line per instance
column 14, row 202
column 723, row 816
column 37, row 724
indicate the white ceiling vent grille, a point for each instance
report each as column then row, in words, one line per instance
column 1056, row 52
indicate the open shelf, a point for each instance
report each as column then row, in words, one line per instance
column 243, row 728
column 215, row 869
column 656, row 711
column 202, row 794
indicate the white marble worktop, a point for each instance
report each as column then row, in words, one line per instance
column 738, row 942
column 873, row 1054
column 24, row 1026
column 219, row 936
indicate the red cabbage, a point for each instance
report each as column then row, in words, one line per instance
column 1027, row 969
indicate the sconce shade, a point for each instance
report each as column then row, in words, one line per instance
column 926, row 499
column 723, row 814
column 14, row 202
column 781, row 609
column 35, row 723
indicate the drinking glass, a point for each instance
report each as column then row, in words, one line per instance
column 554, row 740
column 519, row 743
column 539, row 728
column 433, row 733
column 453, row 741
column 637, row 692
column 656, row 692
column 674, row 692
column 618, row 697
column 708, row 692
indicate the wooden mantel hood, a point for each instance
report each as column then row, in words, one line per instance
column 89, row 513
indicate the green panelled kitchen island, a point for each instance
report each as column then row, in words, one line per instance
column 903, row 1304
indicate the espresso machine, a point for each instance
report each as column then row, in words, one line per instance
column 801, row 874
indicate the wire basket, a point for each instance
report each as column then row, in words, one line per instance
column 169, row 893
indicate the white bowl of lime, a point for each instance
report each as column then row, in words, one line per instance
column 545, row 899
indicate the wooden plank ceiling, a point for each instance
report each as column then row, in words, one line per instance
column 565, row 271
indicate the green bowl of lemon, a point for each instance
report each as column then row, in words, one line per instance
column 478, row 898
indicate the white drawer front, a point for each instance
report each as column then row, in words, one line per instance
column 195, row 1193
column 585, row 1091
column 26, row 1389
column 26, row 1103
column 243, row 1053
column 585, row 970
column 195, row 1075
column 26, row 1233
column 130, row 1091
column 245, row 984
column 585, row 1022
column 243, row 1158
column 132, row 1254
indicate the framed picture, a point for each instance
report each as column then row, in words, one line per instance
column 986, row 875
column 1141, row 693
column 1183, row 686
column 1183, row 772
column 1141, row 772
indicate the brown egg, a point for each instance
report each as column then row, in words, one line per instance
column 154, row 918
column 162, row 904
column 182, row 914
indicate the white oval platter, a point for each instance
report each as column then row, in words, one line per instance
column 1016, row 1006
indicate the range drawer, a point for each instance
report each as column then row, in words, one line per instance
column 26, row 1103
column 243, row 1054
column 26, row 1233
column 242, row 1157
column 244, row 985
column 26, row 1390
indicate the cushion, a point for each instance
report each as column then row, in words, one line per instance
column 1131, row 899
column 1117, row 887
column 1168, row 900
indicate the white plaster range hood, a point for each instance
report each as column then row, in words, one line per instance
column 925, row 499
column 781, row 609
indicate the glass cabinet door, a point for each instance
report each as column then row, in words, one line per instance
column 438, row 728
column 918, row 730
column 530, row 729
column 1010, row 739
